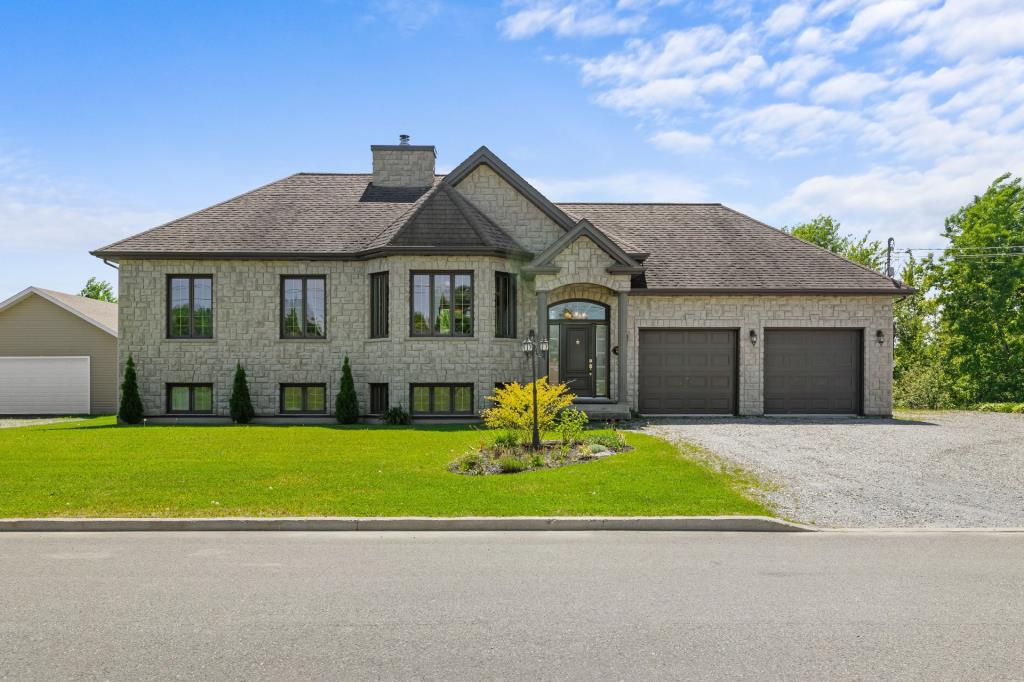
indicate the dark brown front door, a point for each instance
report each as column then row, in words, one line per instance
column 577, row 361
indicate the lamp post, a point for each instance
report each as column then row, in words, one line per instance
column 531, row 347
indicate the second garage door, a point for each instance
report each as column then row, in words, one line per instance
column 687, row 371
column 812, row 371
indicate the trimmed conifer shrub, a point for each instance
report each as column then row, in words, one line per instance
column 346, row 407
column 130, row 410
column 240, row 405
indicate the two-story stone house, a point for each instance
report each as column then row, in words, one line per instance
column 428, row 283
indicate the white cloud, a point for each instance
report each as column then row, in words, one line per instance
column 787, row 129
column 582, row 18
column 786, row 18
column 907, row 203
column 852, row 86
column 622, row 187
column 38, row 212
column 926, row 94
column 682, row 142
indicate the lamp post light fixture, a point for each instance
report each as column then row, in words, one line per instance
column 531, row 348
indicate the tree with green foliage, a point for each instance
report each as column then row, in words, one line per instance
column 130, row 410
column 920, row 379
column 346, row 406
column 824, row 232
column 99, row 289
column 980, row 294
column 240, row 405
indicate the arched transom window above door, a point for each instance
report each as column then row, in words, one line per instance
column 583, row 311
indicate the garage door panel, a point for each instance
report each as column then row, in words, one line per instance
column 44, row 385
column 688, row 371
column 812, row 371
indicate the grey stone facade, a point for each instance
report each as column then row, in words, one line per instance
column 247, row 329
column 758, row 313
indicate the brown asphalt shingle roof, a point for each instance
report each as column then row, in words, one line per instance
column 691, row 246
column 711, row 246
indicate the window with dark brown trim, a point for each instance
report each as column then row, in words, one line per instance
column 189, row 398
column 190, row 306
column 303, row 307
column 441, row 399
column 379, row 305
column 504, row 305
column 441, row 304
column 303, row 399
column 378, row 398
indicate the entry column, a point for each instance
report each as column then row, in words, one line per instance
column 623, row 345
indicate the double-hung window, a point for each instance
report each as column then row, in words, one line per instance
column 441, row 304
column 190, row 307
column 303, row 307
column 504, row 305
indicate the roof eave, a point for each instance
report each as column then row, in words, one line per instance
column 770, row 291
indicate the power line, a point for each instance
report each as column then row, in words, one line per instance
column 965, row 249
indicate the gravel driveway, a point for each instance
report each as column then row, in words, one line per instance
column 10, row 423
column 942, row 469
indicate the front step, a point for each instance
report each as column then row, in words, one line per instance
column 600, row 411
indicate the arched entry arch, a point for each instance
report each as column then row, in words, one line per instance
column 579, row 356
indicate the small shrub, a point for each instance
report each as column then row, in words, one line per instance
column 511, row 465
column 584, row 450
column 240, row 404
column 130, row 410
column 470, row 462
column 346, row 405
column 612, row 441
column 597, row 447
column 396, row 416
column 571, row 424
column 537, row 461
column 507, row 439
column 513, row 407
column 924, row 385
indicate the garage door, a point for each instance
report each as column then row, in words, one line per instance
column 687, row 371
column 812, row 371
column 44, row 385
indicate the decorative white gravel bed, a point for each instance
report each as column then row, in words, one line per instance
column 936, row 469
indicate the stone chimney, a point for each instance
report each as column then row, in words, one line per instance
column 403, row 164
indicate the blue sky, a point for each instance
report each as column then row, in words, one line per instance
column 116, row 116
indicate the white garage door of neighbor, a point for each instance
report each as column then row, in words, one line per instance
column 44, row 385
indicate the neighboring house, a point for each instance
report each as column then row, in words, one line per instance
column 58, row 354
column 429, row 282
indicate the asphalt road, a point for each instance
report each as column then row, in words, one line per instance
column 474, row 606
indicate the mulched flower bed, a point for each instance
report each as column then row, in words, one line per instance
column 502, row 459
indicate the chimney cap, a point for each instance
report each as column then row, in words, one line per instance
column 403, row 139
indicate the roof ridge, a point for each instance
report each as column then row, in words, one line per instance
column 189, row 215
column 405, row 218
column 639, row 203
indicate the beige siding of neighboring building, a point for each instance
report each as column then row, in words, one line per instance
column 36, row 327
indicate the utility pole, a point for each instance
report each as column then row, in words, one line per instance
column 888, row 257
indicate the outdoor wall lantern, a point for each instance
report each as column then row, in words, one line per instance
column 531, row 347
column 753, row 337
column 880, row 337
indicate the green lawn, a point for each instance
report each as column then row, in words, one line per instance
column 96, row 468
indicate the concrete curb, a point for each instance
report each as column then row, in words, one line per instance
column 414, row 523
